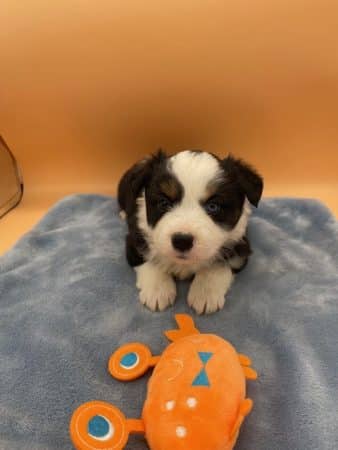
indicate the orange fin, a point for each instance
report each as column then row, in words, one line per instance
column 186, row 327
column 250, row 373
column 244, row 360
column 244, row 410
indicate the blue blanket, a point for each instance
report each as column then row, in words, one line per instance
column 68, row 299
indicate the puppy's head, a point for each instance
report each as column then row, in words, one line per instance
column 193, row 204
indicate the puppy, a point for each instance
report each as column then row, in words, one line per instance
column 187, row 217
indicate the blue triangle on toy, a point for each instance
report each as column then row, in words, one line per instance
column 205, row 356
column 201, row 379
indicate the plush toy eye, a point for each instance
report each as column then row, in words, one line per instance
column 130, row 360
column 97, row 425
column 100, row 428
column 212, row 207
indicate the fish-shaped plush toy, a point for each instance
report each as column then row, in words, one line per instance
column 196, row 396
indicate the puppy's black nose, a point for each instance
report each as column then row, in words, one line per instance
column 182, row 242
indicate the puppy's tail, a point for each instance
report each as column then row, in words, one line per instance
column 186, row 327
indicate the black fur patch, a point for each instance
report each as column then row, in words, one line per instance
column 130, row 188
column 136, row 179
column 245, row 177
column 163, row 192
column 226, row 195
column 136, row 248
column 225, row 204
column 241, row 249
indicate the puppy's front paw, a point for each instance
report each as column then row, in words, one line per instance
column 157, row 288
column 205, row 299
column 208, row 289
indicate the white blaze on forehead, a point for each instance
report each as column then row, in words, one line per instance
column 195, row 171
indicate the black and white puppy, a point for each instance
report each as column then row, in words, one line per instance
column 187, row 216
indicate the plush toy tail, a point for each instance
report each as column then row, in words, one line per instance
column 186, row 327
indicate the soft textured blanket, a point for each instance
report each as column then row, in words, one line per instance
column 68, row 299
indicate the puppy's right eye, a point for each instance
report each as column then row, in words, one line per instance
column 212, row 208
column 164, row 204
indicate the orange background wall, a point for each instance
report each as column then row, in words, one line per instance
column 88, row 87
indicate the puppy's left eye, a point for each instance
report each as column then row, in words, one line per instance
column 164, row 204
column 212, row 207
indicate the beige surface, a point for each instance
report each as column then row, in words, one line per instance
column 88, row 87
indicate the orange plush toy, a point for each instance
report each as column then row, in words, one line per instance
column 196, row 396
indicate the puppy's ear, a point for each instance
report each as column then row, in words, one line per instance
column 136, row 178
column 249, row 180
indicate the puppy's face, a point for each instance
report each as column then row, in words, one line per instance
column 194, row 204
